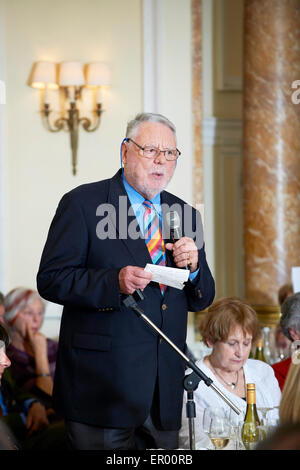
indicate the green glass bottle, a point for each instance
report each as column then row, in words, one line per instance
column 259, row 353
column 250, row 430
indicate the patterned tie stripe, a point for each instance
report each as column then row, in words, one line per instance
column 153, row 237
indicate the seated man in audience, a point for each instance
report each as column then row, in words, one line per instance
column 22, row 413
column 290, row 324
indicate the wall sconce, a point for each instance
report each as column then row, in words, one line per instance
column 71, row 78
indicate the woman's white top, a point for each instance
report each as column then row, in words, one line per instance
column 268, row 395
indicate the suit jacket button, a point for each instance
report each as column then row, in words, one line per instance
column 160, row 341
column 199, row 293
column 164, row 307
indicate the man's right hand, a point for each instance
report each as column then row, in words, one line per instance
column 132, row 278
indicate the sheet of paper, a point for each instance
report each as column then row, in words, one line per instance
column 173, row 277
column 296, row 278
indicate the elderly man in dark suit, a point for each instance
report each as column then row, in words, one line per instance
column 114, row 375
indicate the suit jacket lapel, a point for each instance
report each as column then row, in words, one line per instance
column 126, row 224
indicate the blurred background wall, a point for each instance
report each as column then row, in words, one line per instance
column 130, row 36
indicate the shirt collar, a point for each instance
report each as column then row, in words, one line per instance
column 136, row 199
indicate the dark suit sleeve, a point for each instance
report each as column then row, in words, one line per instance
column 201, row 292
column 63, row 276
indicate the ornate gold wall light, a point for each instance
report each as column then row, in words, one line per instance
column 70, row 78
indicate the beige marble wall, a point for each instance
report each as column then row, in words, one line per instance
column 197, row 100
column 271, row 168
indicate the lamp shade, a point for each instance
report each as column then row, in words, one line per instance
column 44, row 73
column 71, row 74
column 98, row 74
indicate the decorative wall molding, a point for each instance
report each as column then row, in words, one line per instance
column 222, row 140
column 228, row 169
column 2, row 178
column 222, row 132
column 152, row 40
column 225, row 82
column 2, row 202
column 197, row 103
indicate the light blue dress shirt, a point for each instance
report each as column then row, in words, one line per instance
column 136, row 200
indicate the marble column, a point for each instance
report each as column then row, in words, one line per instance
column 196, row 51
column 271, row 165
column 196, row 6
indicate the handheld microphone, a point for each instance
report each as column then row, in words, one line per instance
column 173, row 221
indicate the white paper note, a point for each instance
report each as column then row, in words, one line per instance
column 173, row 277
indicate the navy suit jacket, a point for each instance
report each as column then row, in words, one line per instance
column 109, row 360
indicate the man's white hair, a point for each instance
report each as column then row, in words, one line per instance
column 133, row 125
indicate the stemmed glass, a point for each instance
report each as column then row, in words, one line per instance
column 263, row 412
column 236, row 423
column 264, row 422
column 272, row 419
column 219, row 431
column 206, row 419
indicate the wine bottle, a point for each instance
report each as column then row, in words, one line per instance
column 259, row 353
column 250, row 430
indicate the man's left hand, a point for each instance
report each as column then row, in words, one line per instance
column 185, row 253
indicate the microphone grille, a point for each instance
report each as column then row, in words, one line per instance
column 173, row 219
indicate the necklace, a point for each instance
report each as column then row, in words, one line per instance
column 232, row 385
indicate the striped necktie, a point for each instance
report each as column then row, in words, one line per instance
column 153, row 237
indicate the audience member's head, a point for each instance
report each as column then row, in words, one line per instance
column 224, row 316
column 229, row 328
column 290, row 317
column 24, row 306
column 282, row 342
column 284, row 292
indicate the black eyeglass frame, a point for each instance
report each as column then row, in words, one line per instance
column 160, row 151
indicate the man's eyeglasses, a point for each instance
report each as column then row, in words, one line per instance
column 149, row 151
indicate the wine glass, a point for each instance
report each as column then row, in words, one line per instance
column 236, row 423
column 263, row 411
column 268, row 421
column 219, row 431
column 206, row 420
column 272, row 419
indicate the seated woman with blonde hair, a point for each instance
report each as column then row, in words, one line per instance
column 289, row 410
column 230, row 328
column 33, row 355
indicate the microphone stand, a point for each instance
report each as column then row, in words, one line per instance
column 192, row 380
